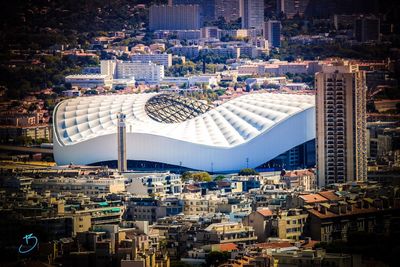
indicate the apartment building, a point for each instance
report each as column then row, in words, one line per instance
column 86, row 185
column 226, row 232
column 341, row 124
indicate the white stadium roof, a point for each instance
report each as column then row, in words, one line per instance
column 248, row 130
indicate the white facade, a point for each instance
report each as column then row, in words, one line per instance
column 89, row 80
column 161, row 184
column 132, row 70
column 161, row 59
column 148, row 72
column 246, row 131
column 207, row 80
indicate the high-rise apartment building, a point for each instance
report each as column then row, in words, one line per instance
column 206, row 8
column 252, row 14
column 176, row 17
column 341, row 124
column 292, row 8
column 228, row 9
column 272, row 32
column 367, row 29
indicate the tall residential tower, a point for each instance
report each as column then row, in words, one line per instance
column 272, row 32
column 341, row 124
column 252, row 12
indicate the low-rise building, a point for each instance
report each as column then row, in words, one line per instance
column 151, row 209
column 335, row 221
column 303, row 180
column 284, row 224
column 195, row 204
column 219, row 233
column 156, row 184
column 86, row 185
column 89, row 80
column 187, row 51
column 310, row 257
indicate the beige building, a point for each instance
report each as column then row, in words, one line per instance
column 81, row 223
column 291, row 224
column 229, row 232
column 200, row 205
column 286, row 224
column 303, row 180
column 260, row 220
column 341, row 124
column 87, row 185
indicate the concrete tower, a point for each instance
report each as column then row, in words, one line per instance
column 122, row 162
column 341, row 124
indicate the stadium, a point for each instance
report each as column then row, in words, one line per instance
column 246, row 131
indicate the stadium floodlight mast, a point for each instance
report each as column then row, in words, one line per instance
column 122, row 161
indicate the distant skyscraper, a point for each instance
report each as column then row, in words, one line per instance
column 272, row 32
column 367, row 29
column 122, row 161
column 292, row 7
column 228, row 9
column 207, row 8
column 252, row 14
column 341, row 124
column 179, row 17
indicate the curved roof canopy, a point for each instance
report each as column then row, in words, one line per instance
column 171, row 108
column 162, row 127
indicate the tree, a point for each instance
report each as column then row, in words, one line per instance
column 197, row 176
column 247, row 172
column 219, row 177
column 202, row 177
column 186, row 176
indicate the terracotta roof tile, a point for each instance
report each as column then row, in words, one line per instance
column 227, row 247
column 274, row 245
column 265, row 212
column 313, row 198
column 330, row 195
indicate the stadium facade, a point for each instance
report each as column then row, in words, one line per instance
column 244, row 132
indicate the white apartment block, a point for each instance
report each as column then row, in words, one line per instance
column 160, row 59
column 141, row 71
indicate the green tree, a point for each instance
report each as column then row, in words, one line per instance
column 247, row 172
column 197, row 176
column 219, row 178
column 202, row 177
